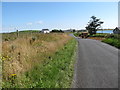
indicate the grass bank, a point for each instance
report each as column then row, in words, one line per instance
column 47, row 62
column 111, row 39
column 113, row 42
column 76, row 34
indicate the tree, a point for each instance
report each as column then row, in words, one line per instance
column 93, row 25
column 74, row 30
column 57, row 31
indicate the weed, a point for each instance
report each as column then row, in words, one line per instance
column 23, row 56
column 54, row 73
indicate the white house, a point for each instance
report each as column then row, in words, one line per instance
column 116, row 30
column 45, row 31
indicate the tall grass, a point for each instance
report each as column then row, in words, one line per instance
column 23, row 53
column 0, row 61
column 55, row 71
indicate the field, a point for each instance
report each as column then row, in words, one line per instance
column 31, row 58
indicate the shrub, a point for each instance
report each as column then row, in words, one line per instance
column 6, row 39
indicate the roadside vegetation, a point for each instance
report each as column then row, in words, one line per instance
column 112, row 39
column 37, row 60
column 77, row 34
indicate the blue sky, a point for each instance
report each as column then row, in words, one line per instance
column 56, row 15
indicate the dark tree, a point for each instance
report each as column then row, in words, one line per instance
column 74, row 30
column 93, row 25
column 57, row 31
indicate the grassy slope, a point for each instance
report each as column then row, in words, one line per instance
column 113, row 42
column 55, row 71
column 112, row 39
column 76, row 34
column 24, row 52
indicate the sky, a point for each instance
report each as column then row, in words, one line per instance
column 56, row 15
column 60, row 0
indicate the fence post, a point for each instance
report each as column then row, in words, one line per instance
column 17, row 33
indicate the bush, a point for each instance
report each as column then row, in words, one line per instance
column 57, row 31
column 77, row 34
column 6, row 39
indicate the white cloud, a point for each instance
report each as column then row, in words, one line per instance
column 39, row 22
column 30, row 23
column 33, row 23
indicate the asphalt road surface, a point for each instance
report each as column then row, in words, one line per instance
column 96, row 65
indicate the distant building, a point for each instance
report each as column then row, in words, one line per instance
column 116, row 30
column 45, row 31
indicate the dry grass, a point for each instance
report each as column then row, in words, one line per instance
column 25, row 52
column 97, row 38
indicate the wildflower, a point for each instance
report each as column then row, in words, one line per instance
column 0, row 57
column 13, row 78
column 3, row 58
column 13, row 75
column 10, row 57
column 7, row 56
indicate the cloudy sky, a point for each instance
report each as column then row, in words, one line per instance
column 56, row 15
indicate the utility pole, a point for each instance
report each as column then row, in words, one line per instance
column 17, row 32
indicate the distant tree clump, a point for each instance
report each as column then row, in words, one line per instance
column 55, row 30
column 74, row 30
column 93, row 25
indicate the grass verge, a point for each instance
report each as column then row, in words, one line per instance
column 76, row 34
column 57, row 72
column 113, row 42
column 111, row 39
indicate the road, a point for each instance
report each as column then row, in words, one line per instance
column 96, row 65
